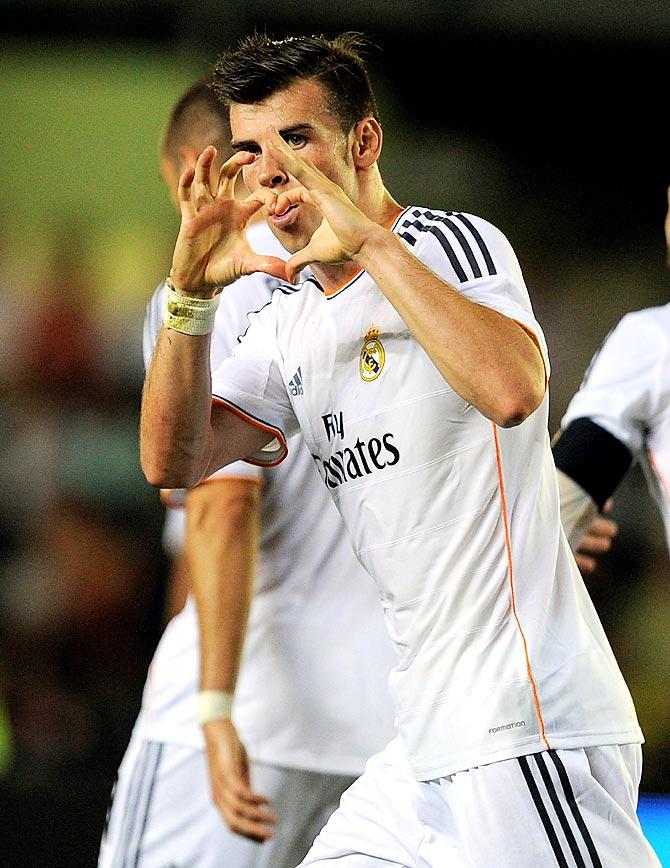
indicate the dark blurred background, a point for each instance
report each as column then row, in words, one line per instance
column 546, row 119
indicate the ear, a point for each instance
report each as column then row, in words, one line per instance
column 188, row 157
column 367, row 145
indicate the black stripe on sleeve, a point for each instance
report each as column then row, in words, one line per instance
column 542, row 811
column 572, row 802
column 480, row 242
column 448, row 249
column 558, row 808
column 474, row 265
column 592, row 457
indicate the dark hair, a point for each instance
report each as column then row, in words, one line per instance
column 261, row 66
column 197, row 119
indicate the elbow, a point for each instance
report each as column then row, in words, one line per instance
column 161, row 474
column 519, row 405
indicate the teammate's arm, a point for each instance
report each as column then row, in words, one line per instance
column 222, row 537
column 590, row 462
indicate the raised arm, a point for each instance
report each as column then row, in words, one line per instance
column 492, row 361
column 222, row 538
column 183, row 438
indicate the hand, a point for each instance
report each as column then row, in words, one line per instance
column 596, row 541
column 241, row 807
column 212, row 248
column 344, row 228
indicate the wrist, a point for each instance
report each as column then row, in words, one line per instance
column 187, row 314
column 377, row 241
column 180, row 284
column 214, row 705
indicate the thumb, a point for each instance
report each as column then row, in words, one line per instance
column 298, row 261
column 271, row 265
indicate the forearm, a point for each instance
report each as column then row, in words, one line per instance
column 221, row 547
column 175, row 425
column 489, row 359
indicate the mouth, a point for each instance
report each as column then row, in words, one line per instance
column 285, row 219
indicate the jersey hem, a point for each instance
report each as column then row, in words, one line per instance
column 523, row 748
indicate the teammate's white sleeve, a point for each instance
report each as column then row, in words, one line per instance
column 153, row 320
column 476, row 258
column 624, row 389
column 250, row 383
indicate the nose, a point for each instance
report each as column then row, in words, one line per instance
column 270, row 173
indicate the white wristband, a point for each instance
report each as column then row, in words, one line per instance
column 190, row 316
column 214, row 705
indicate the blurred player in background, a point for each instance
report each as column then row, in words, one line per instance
column 423, row 400
column 311, row 702
column 620, row 414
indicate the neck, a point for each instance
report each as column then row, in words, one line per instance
column 383, row 210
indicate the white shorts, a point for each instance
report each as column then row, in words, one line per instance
column 162, row 816
column 566, row 808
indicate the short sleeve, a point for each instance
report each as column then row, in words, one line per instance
column 250, row 384
column 621, row 390
column 475, row 257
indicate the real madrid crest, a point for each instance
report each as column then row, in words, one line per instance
column 372, row 357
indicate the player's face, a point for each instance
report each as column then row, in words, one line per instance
column 301, row 115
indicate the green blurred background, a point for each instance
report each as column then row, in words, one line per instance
column 548, row 120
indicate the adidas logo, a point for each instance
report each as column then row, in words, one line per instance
column 295, row 384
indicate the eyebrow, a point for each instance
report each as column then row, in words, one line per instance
column 283, row 132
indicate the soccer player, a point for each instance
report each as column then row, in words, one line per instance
column 620, row 414
column 311, row 702
column 423, row 401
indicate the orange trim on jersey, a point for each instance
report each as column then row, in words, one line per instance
column 236, row 477
column 508, row 546
column 256, row 424
column 535, row 339
column 388, row 225
column 659, row 475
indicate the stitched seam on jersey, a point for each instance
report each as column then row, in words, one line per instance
column 508, row 545
column 369, row 482
column 453, row 634
column 420, row 533
column 395, row 606
column 257, row 423
column 444, row 697
column 387, row 408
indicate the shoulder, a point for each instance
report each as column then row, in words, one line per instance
column 643, row 335
column 474, row 247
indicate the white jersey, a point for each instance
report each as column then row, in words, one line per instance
column 501, row 651
column 626, row 391
column 312, row 689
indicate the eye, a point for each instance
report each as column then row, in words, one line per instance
column 295, row 140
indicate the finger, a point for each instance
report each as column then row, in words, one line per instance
column 595, row 545
column 295, row 264
column 586, row 565
column 231, row 169
column 608, row 506
column 264, row 196
column 184, row 193
column 256, row 831
column 201, row 192
column 292, row 197
column 294, row 164
column 271, row 265
column 604, row 527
